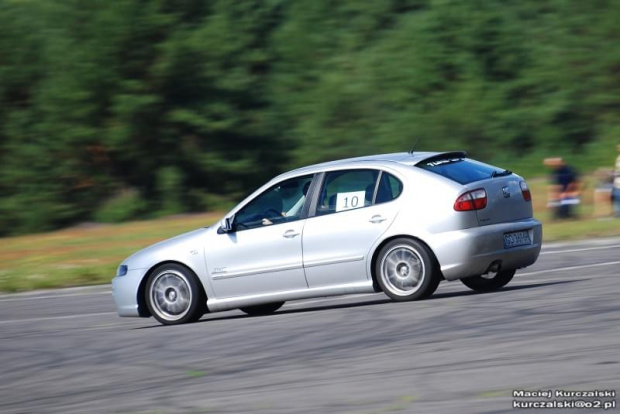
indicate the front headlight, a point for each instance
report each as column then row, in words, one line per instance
column 122, row 270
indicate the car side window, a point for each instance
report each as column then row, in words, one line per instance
column 281, row 203
column 346, row 190
column 390, row 188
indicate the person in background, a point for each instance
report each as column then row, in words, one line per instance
column 615, row 192
column 564, row 190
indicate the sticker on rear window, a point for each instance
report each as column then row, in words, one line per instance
column 440, row 162
column 348, row 201
column 463, row 171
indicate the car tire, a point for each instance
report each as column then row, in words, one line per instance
column 406, row 270
column 258, row 310
column 174, row 295
column 484, row 283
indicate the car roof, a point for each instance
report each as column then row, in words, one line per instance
column 380, row 160
column 398, row 159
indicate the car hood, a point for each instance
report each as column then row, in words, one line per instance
column 175, row 248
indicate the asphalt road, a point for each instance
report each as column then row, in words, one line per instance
column 555, row 327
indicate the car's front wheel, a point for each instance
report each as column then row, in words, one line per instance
column 265, row 309
column 174, row 296
column 406, row 270
column 489, row 282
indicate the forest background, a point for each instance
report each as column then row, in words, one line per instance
column 129, row 109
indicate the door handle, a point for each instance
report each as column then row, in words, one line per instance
column 377, row 219
column 289, row 234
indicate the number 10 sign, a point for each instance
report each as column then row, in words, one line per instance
column 348, row 201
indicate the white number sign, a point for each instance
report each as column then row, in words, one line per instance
column 348, row 201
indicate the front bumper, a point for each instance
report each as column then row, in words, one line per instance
column 470, row 252
column 125, row 292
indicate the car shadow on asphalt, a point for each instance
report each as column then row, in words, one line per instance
column 505, row 289
column 378, row 301
column 225, row 317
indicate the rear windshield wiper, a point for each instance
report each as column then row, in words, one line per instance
column 501, row 173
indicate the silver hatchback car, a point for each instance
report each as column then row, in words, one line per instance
column 396, row 223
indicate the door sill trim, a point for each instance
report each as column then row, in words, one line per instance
column 216, row 304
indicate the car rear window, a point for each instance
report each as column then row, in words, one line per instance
column 390, row 188
column 461, row 170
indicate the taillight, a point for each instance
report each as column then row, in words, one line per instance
column 472, row 200
column 525, row 190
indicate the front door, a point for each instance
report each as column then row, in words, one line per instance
column 263, row 253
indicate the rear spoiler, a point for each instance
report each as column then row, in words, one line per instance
column 443, row 156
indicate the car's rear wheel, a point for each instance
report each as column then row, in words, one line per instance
column 489, row 282
column 406, row 270
column 174, row 296
column 265, row 309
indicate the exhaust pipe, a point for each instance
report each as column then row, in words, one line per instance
column 494, row 267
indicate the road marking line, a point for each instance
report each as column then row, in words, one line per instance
column 294, row 304
column 561, row 269
column 581, row 250
column 588, row 242
column 109, row 292
column 304, row 303
column 52, row 318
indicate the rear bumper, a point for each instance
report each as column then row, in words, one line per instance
column 470, row 252
column 125, row 292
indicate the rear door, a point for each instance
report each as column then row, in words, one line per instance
column 354, row 208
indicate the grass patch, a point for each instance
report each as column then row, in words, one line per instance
column 89, row 255
column 85, row 255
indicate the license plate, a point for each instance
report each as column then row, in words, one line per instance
column 518, row 238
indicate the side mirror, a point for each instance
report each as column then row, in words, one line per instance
column 226, row 225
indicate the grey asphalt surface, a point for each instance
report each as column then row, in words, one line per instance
column 555, row 327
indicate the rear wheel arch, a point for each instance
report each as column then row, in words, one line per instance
column 375, row 256
column 143, row 309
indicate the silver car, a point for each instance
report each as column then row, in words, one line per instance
column 396, row 223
